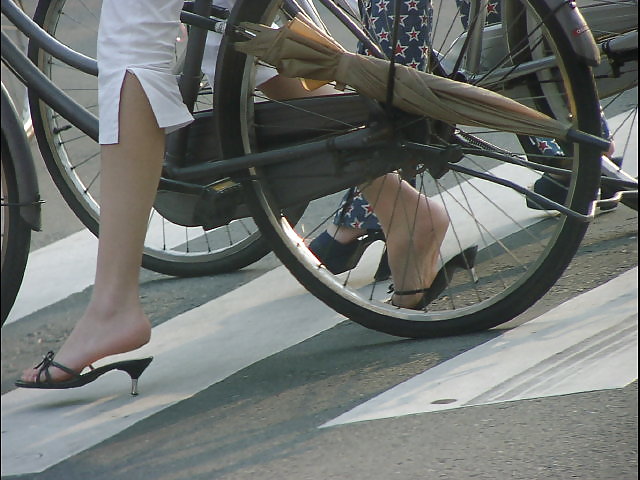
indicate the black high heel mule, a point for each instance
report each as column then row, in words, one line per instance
column 132, row 367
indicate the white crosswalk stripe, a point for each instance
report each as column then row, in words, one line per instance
column 214, row 340
column 252, row 322
column 547, row 356
column 588, row 343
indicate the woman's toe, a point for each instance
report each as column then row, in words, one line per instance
column 28, row 375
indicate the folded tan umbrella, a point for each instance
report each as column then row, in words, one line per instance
column 299, row 49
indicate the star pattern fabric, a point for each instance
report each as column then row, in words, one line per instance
column 414, row 29
column 493, row 12
column 411, row 49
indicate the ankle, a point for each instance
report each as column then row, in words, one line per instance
column 106, row 307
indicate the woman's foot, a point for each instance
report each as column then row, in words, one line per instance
column 98, row 334
column 414, row 227
column 556, row 188
column 339, row 257
column 464, row 260
column 414, row 254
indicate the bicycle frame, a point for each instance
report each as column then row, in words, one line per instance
column 359, row 144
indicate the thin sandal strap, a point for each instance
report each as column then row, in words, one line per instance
column 48, row 362
column 407, row 292
column 411, row 292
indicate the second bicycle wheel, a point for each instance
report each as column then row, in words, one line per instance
column 521, row 251
column 612, row 25
column 73, row 159
column 14, row 230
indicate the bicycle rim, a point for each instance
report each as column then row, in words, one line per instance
column 522, row 252
column 73, row 158
column 520, row 256
column 16, row 235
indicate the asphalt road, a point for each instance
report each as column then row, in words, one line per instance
column 263, row 419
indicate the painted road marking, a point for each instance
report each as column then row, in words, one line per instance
column 55, row 272
column 588, row 343
column 217, row 339
column 210, row 342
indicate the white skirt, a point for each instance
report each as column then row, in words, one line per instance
column 139, row 37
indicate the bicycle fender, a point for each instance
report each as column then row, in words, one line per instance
column 570, row 21
column 15, row 140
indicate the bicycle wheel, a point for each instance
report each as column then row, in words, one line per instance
column 16, row 234
column 522, row 252
column 73, row 159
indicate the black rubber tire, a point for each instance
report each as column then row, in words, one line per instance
column 487, row 313
column 16, row 235
column 222, row 260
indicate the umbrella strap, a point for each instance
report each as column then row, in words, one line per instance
column 392, row 65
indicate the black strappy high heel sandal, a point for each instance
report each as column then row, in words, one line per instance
column 133, row 367
column 340, row 257
column 465, row 260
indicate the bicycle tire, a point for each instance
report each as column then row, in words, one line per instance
column 16, row 234
column 72, row 159
column 506, row 287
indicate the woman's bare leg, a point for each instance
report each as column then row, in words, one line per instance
column 130, row 170
column 414, row 227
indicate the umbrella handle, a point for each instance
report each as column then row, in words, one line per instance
column 588, row 139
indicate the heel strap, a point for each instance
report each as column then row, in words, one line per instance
column 407, row 292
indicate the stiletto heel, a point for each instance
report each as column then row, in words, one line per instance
column 465, row 260
column 132, row 367
column 474, row 275
column 135, row 368
column 384, row 271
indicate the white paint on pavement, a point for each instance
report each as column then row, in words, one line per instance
column 68, row 266
column 588, row 343
column 193, row 351
column 56, row 271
